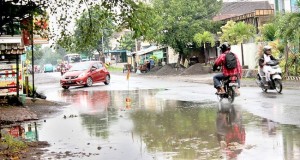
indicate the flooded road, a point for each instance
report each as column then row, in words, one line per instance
column 170, row 122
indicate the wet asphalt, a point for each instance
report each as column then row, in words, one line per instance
column 170, row 118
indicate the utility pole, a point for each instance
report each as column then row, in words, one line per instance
column 32, row 55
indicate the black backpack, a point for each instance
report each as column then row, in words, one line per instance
column 230, row 61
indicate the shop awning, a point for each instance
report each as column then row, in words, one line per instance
column 11, row 45
column 147, row 50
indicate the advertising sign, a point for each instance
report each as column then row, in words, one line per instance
column 158, row 54
column 40, row 30
column 8, row 77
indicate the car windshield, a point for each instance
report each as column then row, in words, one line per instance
column 80, row 67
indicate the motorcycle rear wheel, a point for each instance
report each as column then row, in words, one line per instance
column 278, row 85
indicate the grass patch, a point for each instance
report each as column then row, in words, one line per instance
column 115, row 69
column 13, row 146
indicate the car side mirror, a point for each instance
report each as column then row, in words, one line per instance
column 93, row 68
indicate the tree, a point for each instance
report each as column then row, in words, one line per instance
column 38, row 54
column 92, row 32
column 268, row 32
column 125, row 13
column 177, row 21
column 127, row 42
column 13, row 12
column 202, row 40
column 237, row 33
column 290, row 33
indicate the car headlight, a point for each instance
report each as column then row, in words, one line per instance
column 81, row 75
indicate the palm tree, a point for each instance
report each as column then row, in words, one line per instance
column 237, row 33
column 292, row 34
column 203, row 39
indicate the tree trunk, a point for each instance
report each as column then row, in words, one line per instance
column 178, row 60
column 101, row 56
column 242, row 51
column 286, row 69
column 205, row 55
column 296, row 66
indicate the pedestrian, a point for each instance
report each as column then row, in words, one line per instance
column 148, row 65
column 152, row 63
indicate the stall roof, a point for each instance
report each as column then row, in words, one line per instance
column 11, row 45
column 147, row 50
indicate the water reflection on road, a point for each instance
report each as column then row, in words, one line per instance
column 101, row 125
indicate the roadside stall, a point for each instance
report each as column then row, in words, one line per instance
column 11, row 78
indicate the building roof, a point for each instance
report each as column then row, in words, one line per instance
column 232, row 9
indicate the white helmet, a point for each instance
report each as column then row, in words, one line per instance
column 267, row 48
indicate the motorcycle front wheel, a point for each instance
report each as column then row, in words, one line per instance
column 278, row 85
column 231, row 94
column 264, row 89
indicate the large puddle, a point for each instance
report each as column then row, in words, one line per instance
column 102, row 125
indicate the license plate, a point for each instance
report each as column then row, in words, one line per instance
column 233, row 84
column 69, row 81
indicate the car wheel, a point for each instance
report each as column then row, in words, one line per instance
column 65, row 87
column 89, row 82
column 107, row 80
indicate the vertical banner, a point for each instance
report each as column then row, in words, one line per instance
column 40, row 30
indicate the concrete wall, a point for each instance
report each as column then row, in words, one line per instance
column 250, row 52
column 173, row 56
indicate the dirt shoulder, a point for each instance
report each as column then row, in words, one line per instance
column 34, row 109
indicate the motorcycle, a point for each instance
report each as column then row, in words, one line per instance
column 275, row 76
column 229, row 84
column 62, row 71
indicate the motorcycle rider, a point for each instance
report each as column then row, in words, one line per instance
column 264, row 68
column 220, row 61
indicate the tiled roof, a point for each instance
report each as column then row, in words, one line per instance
column 231, row 9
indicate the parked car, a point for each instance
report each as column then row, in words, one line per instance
column 48, row 68
column 85, row 74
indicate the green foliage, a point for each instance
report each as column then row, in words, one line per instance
column 127, row 42
column 14, row 145
column 268, row 32
column 201, row 39
column 93, row 25
column 289, row 34
column 177, row 21
column 43, row 55
column 236, row 33
column 140, row 20
column 124, row 13
column 14, row 11
column 38, row 54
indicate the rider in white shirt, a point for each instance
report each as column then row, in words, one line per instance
column 267, row 57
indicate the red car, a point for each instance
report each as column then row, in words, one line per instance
column 85, row 74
